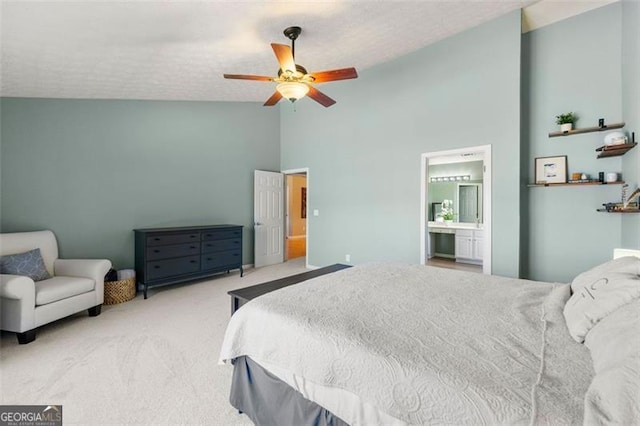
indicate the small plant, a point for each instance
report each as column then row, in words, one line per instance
column 567, row 118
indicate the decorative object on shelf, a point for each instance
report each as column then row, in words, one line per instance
column 449, row 178
column 601, row 123
column 587, row 130
column 575, row 176
column 575, row 183
column 551, row 169
column 629, row 199
column 566, row 121
column 611, row 177
column 615, row 138
column 585, row 180
column 447, row 211
column 620, row 208
column 600, row 176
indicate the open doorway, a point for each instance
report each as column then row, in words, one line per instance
column 296, row 230
column 455, row 215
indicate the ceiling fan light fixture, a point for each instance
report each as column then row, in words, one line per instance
column 292, row 90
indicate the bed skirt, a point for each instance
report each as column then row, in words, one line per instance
column 267, row 400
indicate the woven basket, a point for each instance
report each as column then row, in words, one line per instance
column 119, row 291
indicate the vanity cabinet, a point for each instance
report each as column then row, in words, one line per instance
column 469, row 245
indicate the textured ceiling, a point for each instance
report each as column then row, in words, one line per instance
column 178, row 50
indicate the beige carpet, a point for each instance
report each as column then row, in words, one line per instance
column 148, row 361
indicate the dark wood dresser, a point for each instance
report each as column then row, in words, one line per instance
column 174, row 255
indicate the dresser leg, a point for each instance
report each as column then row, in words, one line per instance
column 145, row 291
column 241, row 271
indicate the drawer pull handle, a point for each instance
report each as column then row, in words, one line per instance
column 156, row 267
column 208, row 258
column 156, row 239
column 192, row 261
column 192, row 236
column 192, row 247
column 236, row 242
column 236, row 255
column 156, row 251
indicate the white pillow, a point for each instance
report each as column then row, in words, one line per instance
column 599, row 292
column 614, row 394
column 626, row 264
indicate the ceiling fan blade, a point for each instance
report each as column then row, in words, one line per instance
column 248, row 77
column 285, row 57
column 320, row 97
column 273, row 99
column 333, row 75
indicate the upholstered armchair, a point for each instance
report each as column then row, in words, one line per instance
column 73, row 286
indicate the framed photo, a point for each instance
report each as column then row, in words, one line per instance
column 551, row 169
column 303, row 195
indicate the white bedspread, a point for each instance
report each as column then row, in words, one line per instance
column 424, row 345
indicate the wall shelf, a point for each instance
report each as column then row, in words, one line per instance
column 531, row 185
column 587, row 130
column 619, row 211
column 614, row 150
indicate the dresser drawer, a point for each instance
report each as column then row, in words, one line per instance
column 222, row 234
column 224, row 258
column 220, row 245
column 171, row 267
column 173, row 250
column 159, row 240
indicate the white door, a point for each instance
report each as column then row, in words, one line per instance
column 268, row 217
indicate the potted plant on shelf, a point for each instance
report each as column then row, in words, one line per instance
column 447, row 211
column 566, row 121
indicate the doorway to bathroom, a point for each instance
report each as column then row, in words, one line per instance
column 456, row 209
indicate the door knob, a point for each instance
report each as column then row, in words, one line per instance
column 259, row 223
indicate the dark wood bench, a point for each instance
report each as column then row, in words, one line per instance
column 242, row 295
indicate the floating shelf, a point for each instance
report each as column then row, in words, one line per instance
column 575, row 184
column 587, row 130
column 619, row 211
column 614, row 150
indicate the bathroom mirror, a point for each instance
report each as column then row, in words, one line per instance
column 469, row 202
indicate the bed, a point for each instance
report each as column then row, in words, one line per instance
column 400, row 344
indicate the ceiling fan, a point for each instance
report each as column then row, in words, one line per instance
column 294, row 82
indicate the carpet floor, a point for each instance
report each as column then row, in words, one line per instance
column 151, row 361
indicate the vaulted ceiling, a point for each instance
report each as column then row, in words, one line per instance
column 178, row 50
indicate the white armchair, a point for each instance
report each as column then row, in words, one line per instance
column 74, row 285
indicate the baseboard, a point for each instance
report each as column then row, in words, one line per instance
column 247, row 266
column 469, row 261
column 309, row 266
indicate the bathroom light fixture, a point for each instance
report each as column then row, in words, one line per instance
column 450, row 178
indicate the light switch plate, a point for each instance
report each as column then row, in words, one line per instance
column 316, row 212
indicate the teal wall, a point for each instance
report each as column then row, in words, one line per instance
column 573, row 65
column 92, row 171
column 631, row 111
column 364, row 152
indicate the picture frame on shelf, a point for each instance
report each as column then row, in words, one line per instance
column 551, row 169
